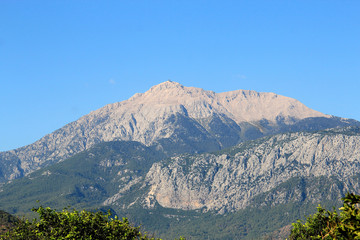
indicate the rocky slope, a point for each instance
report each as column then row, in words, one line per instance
column 229, row 181
column 177, row 119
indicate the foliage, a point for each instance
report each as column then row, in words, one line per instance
column 68, row 224
column 318, row 226
column 329, row 224
column 7, row 221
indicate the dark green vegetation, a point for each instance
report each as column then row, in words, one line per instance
column 329, row 224
column 251, row 223
column 82, row 181
column 73, row 225
column 7, row 221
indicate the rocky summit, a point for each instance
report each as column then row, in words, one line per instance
column 174, row 117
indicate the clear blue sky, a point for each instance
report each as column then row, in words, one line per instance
column 61, row 59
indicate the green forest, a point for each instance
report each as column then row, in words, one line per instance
column 72, row 224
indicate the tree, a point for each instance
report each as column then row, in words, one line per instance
column 329, row 224
column 72, row 224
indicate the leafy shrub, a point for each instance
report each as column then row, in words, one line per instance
column 68, row 224
column 329, row 224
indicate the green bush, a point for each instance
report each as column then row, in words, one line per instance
column 329, row 224
column 72, row 224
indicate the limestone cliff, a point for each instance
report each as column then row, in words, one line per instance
column 229, row 181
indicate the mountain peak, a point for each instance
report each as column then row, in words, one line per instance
column 160, row 90
column 166, row 85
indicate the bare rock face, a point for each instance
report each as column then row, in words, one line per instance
column 229, row 182
column 182, row 119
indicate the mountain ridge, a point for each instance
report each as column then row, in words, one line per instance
column 172, row 116
column 271, row 105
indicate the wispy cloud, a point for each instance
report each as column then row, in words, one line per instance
column 112, row 81
column 240, row 76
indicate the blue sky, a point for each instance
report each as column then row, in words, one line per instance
column 61, row 59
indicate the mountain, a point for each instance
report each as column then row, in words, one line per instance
column 173, row 118
column 245, row 191
column 179, row 159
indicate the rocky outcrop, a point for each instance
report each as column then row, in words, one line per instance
column 229, row 181
column 177, row 119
